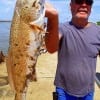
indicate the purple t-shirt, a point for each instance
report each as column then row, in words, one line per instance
column 77, row 56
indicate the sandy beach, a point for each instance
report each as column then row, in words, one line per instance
column 43, row 88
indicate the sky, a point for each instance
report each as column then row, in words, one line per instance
column 7, row 9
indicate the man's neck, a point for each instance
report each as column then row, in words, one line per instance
column 80, row 23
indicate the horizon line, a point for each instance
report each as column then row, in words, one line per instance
column 5, row 20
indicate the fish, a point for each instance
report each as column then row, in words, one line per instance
column 25, row 41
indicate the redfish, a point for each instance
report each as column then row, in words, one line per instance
column 25, row 42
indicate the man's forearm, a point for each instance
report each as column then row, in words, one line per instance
column 52, row 38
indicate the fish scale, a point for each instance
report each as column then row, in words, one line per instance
column 24, row 44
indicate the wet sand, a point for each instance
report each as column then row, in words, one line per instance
column 43, row 88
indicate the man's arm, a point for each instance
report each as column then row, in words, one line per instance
column 52, row 37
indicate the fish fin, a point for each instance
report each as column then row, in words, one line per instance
column 35, row 27
column 9, row 71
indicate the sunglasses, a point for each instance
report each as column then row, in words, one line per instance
column 88, row 2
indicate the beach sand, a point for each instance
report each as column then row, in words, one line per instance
column 43, row 88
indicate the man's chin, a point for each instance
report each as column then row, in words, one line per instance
column 81, row 16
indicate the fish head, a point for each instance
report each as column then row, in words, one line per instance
column 30, row 10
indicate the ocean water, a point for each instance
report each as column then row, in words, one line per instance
column 4, row 35
column 64, row 15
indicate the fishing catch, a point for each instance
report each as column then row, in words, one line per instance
column 25, row 42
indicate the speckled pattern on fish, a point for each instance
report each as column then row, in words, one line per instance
column 25, row 41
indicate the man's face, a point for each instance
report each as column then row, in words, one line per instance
column 81, row 8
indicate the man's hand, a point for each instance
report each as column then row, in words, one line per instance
column 50, row 11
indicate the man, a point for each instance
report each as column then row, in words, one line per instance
column 78, row 44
